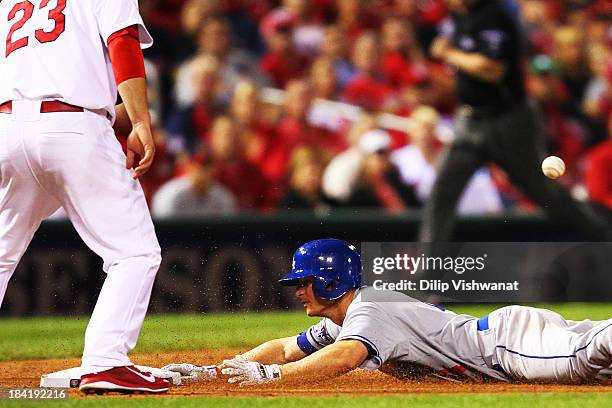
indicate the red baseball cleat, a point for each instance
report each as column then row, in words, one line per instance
column 127, row 379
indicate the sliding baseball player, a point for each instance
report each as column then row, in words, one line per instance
column 411, row 339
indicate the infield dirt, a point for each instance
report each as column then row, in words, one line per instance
column 27, row 373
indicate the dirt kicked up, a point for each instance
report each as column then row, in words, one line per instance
column 27, row 374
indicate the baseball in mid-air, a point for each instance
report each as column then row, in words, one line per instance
column 553, row 167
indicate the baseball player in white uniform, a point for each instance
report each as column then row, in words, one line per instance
column 412, row 339
column 61, row 64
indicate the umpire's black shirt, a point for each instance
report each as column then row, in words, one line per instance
column 489, row 29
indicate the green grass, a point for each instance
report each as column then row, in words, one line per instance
column 412, row 401
column 57, row 337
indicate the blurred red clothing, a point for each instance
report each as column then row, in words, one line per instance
column 166, row 14
column 289, row 134
column 283, row 68
column 430, row 13
column 245, row 181
column 598, row 174
column 367, row 92
column 397, row 69
column 202, row 119
column 257, row 139
column 568, row 139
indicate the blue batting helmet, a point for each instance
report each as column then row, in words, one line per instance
column 333, row 265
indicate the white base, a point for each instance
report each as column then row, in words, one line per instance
column 71, row 377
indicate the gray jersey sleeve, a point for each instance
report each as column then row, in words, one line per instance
column 318, row 336
column 372, row 326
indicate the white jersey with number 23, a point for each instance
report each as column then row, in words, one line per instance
column 56, row 49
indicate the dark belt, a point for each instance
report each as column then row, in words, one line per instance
column 45, row 107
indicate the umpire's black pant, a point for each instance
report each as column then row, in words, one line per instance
column 514, row 140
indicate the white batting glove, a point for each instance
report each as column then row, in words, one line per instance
column 250, row 372
column 193, row 372
column 239, row 358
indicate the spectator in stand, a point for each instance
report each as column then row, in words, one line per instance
column 539, row 26
column 304, row 177
column 570, row 55
column 195, row 193
column 367, row 88
column 230, row 167
column 189, row 125
column 325, row 87
column 193, row 13
column 355, row 18
column 564, row 135
column 235, row 64
column 417, row 166
column 342, row 173
column 323, row 79
column 597, row 102
column 254, row 130
column 425, row 15
column 307, row 33
column 281, row 62
column 244, row 17
column 402, row 61
column 598, row 171
column 379, row 184
column 295, row 130
column 335, row 47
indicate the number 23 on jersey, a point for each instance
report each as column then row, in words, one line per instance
column 22, row 12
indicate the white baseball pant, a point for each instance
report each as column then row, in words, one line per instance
column 532, row 344
column 73, row 160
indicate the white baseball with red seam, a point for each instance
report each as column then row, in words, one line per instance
column 553, row 167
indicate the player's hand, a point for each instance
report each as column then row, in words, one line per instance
column 439, row 47
column 250, row 373
column 192, row 371
column 140, row 142
column 238, row 358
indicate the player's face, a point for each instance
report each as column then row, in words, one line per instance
column 313, row 306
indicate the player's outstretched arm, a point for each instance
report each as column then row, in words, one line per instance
column 334, row 360
column 277, row 351
column 331, row 361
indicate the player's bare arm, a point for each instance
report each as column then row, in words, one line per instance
column 140, row 141
column 277, row 351
column 473, row 63
column 331, row 361
column 122, row 120
column 128, row 68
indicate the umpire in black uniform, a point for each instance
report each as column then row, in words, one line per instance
column 495, row 123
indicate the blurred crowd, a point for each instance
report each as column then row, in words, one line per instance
column 223, row 146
